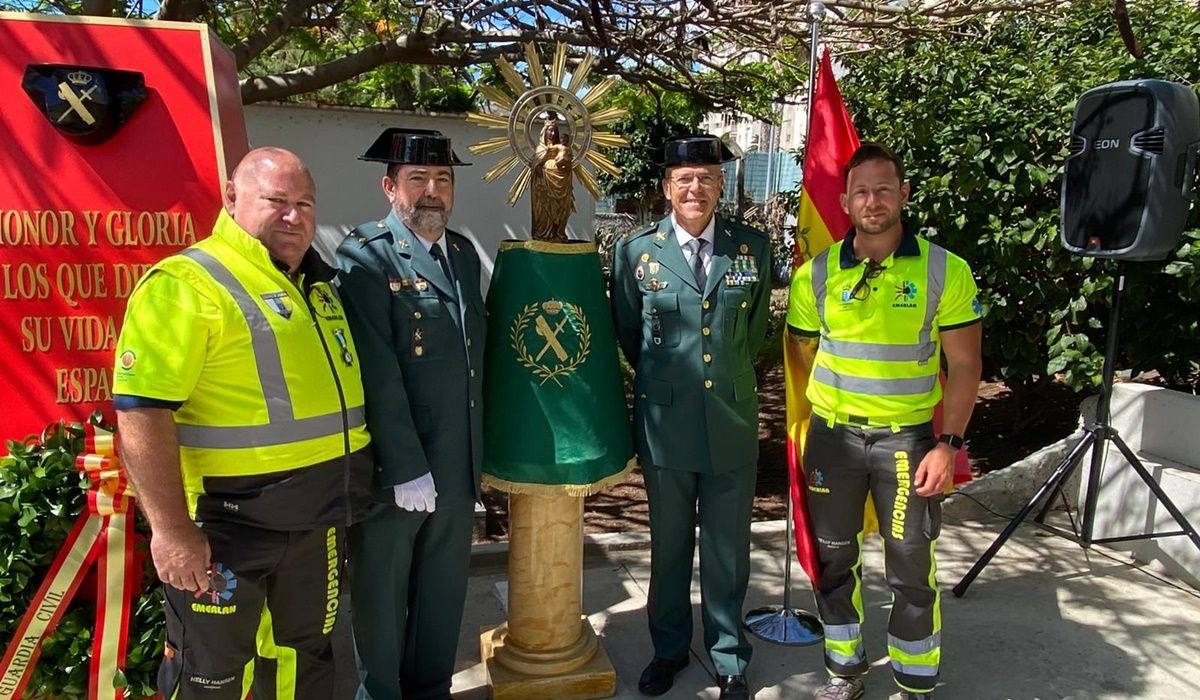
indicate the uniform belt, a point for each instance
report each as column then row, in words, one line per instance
column 918, row 417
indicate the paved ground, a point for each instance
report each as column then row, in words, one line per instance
column 1045, row 620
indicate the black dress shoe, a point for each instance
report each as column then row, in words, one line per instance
column 734, row 688
column 659, row 676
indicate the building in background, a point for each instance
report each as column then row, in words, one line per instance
column 756, row 135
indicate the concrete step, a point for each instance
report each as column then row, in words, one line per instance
column 1126, row 506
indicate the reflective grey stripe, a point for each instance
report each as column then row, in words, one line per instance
column 843, row 633
column 282, row 427
column 820, row 278
column 844, row 660
column 853, row 350
column 905, row 386
column 921, row 646
column 262, row 338
column 919, row 352
column 275, row 433
column 935, row 281
column 915, row 669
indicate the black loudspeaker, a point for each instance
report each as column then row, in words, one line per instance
column 1132, row 170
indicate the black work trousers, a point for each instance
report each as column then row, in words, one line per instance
column 843, row 464
column 213, row 637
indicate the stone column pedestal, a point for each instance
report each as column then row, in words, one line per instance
column 547, row 649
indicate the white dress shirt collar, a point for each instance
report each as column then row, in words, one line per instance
column 708, row 234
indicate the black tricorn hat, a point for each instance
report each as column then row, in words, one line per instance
column 696, row 149
column 412, row 147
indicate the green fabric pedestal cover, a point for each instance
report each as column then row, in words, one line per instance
column 555, row 419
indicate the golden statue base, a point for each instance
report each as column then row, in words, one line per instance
column 561, row 677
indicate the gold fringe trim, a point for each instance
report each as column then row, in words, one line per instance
column 560, row 489
column 572, row 248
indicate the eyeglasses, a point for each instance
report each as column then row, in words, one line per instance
column 685, row 181
column 870, row 271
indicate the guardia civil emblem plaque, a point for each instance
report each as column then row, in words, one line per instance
column 85, row 103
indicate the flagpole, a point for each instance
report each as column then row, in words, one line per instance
column 816, row 11
column 774, row 623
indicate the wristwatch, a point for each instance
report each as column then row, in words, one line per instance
column 955, row 441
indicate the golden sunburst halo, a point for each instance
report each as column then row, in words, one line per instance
column 544, row 95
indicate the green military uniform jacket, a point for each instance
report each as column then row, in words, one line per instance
column 421, row 353
column 695, row 392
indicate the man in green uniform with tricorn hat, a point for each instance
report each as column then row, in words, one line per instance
column 690, row 298
column 411, row 289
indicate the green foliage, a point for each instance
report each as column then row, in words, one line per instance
column 41, row 497
column 654, row 116
column 983, row 124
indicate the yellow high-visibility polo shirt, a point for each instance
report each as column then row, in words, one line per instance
column 880, row 330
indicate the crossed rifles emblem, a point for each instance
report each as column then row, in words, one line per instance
column 553, row 322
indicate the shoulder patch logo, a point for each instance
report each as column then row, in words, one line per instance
column 325, row 303
column 279, row 302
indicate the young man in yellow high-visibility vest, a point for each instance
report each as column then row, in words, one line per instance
column 872, row 317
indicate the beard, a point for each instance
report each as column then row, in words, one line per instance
column 426, row 216
column 877, row 227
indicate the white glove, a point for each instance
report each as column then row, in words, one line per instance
column 418, row 494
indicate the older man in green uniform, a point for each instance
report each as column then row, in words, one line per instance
column 690, row 300
column 411, row 289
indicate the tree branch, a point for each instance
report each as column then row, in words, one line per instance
column 1121, row 13
column 411, row 48
column 260, row 41
column 97, row 7
column 652, row 42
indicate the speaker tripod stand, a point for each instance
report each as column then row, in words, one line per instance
column 1096, row 437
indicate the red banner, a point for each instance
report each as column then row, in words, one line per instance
column 82, row 216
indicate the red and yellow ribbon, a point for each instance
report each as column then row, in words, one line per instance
column 104, row 535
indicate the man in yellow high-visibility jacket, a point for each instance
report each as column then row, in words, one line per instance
column 872, row 316
column 241, row 415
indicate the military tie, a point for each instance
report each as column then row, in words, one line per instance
column 436, row 251
column 697, row 245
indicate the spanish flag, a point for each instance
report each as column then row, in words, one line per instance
column 831, row 141
column 821, row 221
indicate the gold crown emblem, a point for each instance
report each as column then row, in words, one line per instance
column 79, row 77
column 552, row 307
